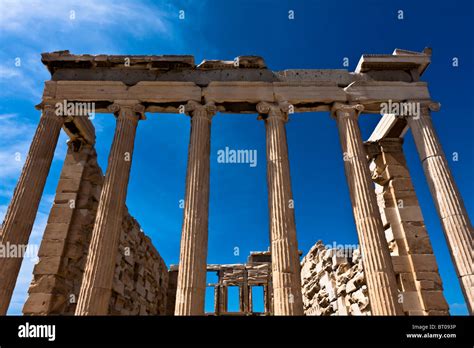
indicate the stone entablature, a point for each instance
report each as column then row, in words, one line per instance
column 165, row 82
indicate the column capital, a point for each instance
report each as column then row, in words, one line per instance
column 48, row 109
column 273, row 110
column 346, row 110
column 428, row 105
column 47, row 104
column 195, row 109
column 131, row 109
column 419, row 108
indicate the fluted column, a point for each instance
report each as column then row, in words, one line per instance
column 217, row 292
column 451, row 210
column 225, row 299
column 266, row 307
column 381, row 282
column 241, row 298
column 21, row 213
column 244, row 293
column 97, row 281
column 270, row 296
column 193, row 255
column 250, row 299
column 284, row 246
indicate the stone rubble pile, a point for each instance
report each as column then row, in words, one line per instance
column 333, row 282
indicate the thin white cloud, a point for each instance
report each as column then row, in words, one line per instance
column 35, row 18
column 6, row 193
column 7, row 72
column 24, row 80
column 12, row 159
column 14, row 145
column 34, row 26
column 12, row 127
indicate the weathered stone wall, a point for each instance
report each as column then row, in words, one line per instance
column 419, row 284
column 333, row 282
column 141, row 277
column 413, row 259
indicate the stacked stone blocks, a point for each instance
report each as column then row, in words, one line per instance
column 140, row 277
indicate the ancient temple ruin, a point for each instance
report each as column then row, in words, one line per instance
column 255, row 273
column 95, row 259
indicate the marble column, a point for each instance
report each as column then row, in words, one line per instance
column 250, row 299
column 193, row 255
column 21, row 213
column 244, row 294
column 97, row 281
column 241, row 298
column 284, row 246
column 266, row 308
column 381, row 281
column 223, row 297
column 216, row 299
column 269, row 296
column 449, row 204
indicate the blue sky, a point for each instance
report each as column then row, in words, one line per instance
column 320, row 36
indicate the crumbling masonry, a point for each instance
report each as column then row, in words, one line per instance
column 94, row 259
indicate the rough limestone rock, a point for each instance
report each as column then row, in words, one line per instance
column 333, row 282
